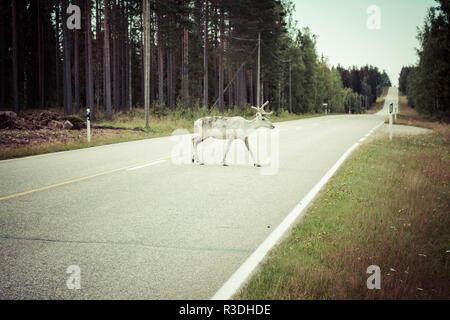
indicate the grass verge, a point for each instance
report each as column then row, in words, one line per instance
column 388, row 206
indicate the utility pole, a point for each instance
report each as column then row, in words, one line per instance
column 147, row 62
column 290, row 86
column 258, row 73
column 205, row 59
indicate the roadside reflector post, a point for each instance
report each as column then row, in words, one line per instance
column 391, row 110
column 88, row 124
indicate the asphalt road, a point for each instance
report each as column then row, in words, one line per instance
column 141, row 225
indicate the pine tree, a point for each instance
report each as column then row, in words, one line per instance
column 107, row 61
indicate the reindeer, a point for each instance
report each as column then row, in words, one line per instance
column 226, row 128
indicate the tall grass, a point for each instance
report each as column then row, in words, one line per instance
column 388, row 206
column 181, row 117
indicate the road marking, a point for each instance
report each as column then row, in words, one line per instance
column 146, row 165
column 15, row 195
column 376, row 127
column 240, row 276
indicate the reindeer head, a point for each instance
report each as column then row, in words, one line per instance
column 262, row 117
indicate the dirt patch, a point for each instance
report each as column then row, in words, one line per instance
column 10, row 139
column 17, row 139
column 40, row 129
column 33, row 120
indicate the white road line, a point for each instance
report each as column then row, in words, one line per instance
column 239, row 277
column 378, row 126
column 146, row 165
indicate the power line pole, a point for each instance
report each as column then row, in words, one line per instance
column 258, row 73
column 147, row 62
column 205, row 58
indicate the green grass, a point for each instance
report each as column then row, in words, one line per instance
column 176, row 120
column 388, row 206
column 130, row 126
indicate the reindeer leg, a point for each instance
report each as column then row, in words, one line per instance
column 250, row 152
column 194, row 150
column 195, row 142
column 226, row 152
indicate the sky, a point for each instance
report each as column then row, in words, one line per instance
column 349, row 35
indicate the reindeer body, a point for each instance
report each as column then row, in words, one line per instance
column 227, row 128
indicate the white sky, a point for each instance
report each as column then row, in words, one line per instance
column 344, row 38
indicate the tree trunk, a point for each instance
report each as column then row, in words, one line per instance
column 130, row 77
column 25, row 84
column 205, row 58
column 250, row 83
column 170, row 87
column 142, row 44
column 40, row 57
column 77, row 69
column 123, row 35
column 14, row 58
column 185, row 73
column 243, row 86
column 130, row 83
column 221, row 61
column 115, row 60
column 99, row 73
column 107, row 62
column 57, row 61
column 160, row 63
column 230, row 89
column 216, row 23
column 67, row 65
column 3, row 56
column 146, row 4
column 89, row 71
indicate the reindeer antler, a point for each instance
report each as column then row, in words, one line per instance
column 263, row 112
column 261, row 109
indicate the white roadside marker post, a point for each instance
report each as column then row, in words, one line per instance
column 325, row 106
column 88, row 124
column 391, row 110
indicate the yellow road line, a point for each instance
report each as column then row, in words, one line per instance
column 15, row 195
